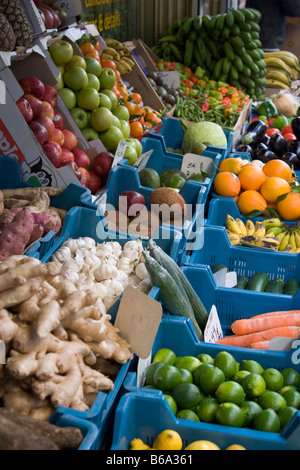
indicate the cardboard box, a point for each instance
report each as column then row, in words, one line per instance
column 143, row 54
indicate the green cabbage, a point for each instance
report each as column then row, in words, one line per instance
column 201, row 134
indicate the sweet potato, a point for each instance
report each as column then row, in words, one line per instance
column 15, row 236
column 36, row 234
column 49, row 221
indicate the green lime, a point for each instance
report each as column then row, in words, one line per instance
column 166, row 377
column 250, row 409
column 285, row 415
column 266, row 420
column 291, row 377
column 206, row 409
column 186, row 376
column 187, row 414
column 252, row 366
column 186, row 395
column 205, row 358
column 189, row 363
column 166, row 356
column 210, row 379
column 229, row 414
column 226, row 362
column 272, row 400
column 274, row 379
column 198, row 372
column 292, row 398
column 286, row 388
column 240, row 375
column 230, row 392
column 172, row 403
column 150, row 372
column 150, row 387
column 254, row 385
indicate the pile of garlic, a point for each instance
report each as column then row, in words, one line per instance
column 108, row 266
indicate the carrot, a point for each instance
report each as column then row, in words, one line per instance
column 275, row 314
column 246, row 340
column 254, row 325
column 260, row 345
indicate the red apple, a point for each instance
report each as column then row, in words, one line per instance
column 39, row 131
column 102, row 163
column 58, row 120
column 38, row 2
column 58, row 137
column 25, row 109
column 73, row 166
column 49, row 20
column 36, row 105
column 48, row 123
column 71, row 140
column 47, row 110
column 85, row 177
column 53, row 152
column 67, row 155
column 95, row 182
column 81, row 158
column 33, row 86
column 56, row 19
column 50, row 95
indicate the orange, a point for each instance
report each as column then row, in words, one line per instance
column 94, row 55
column 148, row 125
column 278, row 168
column 136, row 97
column 153, row 118
column 108, row 64
column 136, row 129
column 130, row 106
column 139, row 111
column 273, row 188
column 251, row 177
column 233, row 165
column 118, row 75
column 227, row 184
column 289, row 208
column 87, row 48
column 250, row 201
column 122, row 88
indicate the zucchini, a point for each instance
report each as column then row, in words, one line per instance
column 291, row 287
column 200, row 312
column 218, row 267
column 275, row 287
column 242, row 282
column 169, row 293
column 258, row 282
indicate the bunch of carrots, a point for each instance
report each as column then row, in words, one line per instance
column 257, row 332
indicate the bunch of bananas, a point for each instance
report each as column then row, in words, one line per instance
column 120, row 54
column 270, row 233
column 282, row 68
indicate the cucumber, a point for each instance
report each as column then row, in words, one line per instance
column 242, row 282
column 258, row 282
column 291, row 287
column 218, row 267
column 199, row 311
column 275, row 287
column 169, row 293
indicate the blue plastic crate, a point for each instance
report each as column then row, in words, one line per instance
column 177, row 334
column 171, row 134
column 123, row 179
column 89, row 430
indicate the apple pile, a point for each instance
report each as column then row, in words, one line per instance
column 87, row 91
column 60, row 145
column 53, row 16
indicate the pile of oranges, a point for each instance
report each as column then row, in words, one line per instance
column 259, row 188
column 141, row 118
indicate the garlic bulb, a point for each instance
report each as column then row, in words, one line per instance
column 63, row 254
column 114, row 287
column 105, row 271
column 141, row 272
column 124, row 264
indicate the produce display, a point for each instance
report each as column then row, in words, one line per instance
column 172, row 178
column 222, row 391
column 282, row 68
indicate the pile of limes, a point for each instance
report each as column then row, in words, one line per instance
column 221, row 390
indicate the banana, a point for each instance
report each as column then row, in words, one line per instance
column 250, row 227
column 293, row 241
column 233, row 237
column 276, row 62
column 260, row 230
column 275, row 231
column 112, row 51
column 269, row 242
column 242, row 227
column 249, row 239
column 290, row 58
column 233, row 226
column 272, row 223
column 272, row 83
column 129, row 61
column 281, row 235
column 121, row 68
column 107, row 56
column 284, row 242
column 297, row 238
column 126, row 66
column 280, row 75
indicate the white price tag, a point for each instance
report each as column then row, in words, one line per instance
column 231, row 280
column 220, row 277
column 141, row 370
column 143, row 159
column 193, row 164
column 213, row 330
column 119, row 155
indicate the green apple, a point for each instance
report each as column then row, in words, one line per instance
column 88, row 99
column 101, row 119
column 80, row 117
column 122, row 112
column 104, row 101
column 76, row 61
column 60, row 82
column 136, row 144
column 131, row 155
column 61, row 52
column 113, row 98
column 125, row 128
column 76, row 78
column 116, row 122
column 93, row 81
column 68, row 96
column 93, row 66
column 90, row 134
column 107, row 79
column 111, row 138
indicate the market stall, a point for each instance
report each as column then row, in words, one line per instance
column 150, row 233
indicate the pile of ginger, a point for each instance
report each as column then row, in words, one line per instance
column 61, row 347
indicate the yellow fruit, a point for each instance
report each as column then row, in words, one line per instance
column 235, row 447
column 202, row 445
column 168, row 440
column 138, row 444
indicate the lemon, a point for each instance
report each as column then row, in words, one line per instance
column 230, row 392
column 202, row 445
column 226, row 362
column 189, row 363
column 138, row 444
column 168, row 440
column 166, row 356
column 274, row 379
column 235, row 447
column 188, row 415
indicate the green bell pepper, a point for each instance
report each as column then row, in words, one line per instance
column 267, row 108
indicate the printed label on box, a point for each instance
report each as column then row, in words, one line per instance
column 213, row 330
column 193, row 164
